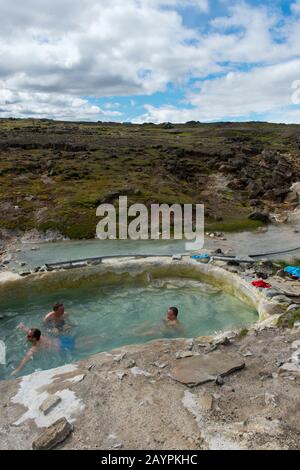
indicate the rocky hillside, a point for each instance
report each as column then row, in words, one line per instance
column 53, row 175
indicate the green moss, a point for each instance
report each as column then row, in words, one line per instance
column 243, row 333
column 289, row 319
column 293, row 262
column 234, row 225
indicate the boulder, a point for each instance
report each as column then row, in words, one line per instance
column 292, row 197
column 237, row 184
column 296, row 188
column 260, row 216
column 255, row 189
column 282, row 299
column 53, row 435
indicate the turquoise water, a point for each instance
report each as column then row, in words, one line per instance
column 107, row 317
column 276, row 238
column 63, row 251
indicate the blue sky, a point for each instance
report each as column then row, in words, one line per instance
column 151, row 60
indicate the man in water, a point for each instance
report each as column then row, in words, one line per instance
column 41, row 342
column 38, row 343
column 57, row 316
column 169, row 326
column 58, row 319
column 171, row 320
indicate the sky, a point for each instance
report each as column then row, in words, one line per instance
column 150, row 60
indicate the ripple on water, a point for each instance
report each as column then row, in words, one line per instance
column 107, row 317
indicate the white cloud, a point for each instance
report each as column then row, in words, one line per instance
column 55, row 52
column 202, row 5
column 295, row 7
column 45, row 105
column 237, row 95
column 95, row 48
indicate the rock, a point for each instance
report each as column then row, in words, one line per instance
column 160, row 365
column 189, row 345
column 193, row 371
column 296, row 344
column 281, row 273
column 247, row 354
column 223, row 338
column 168, row 125
column 296, row 357
column 262, row 425
column 25, row 273
column 237, row 184
column 183, row 354
column 136, row 371
column 7, row 259
column 119, row 357
column 296, row 188
column 53, row 435
column 255, row 189
column 129, row 364
column 176, row 258
column 270, row 400
column 281, row 299
column 293, row 307
column 292, row 197
column 225, row 342
column 49, row 404
column 205, row 402
column 272, row 292
column 120, row 375
column 260, row 216
column 219, row 380
column 118, row 446
column 290, row 367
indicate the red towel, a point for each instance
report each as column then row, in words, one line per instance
column 261, row 283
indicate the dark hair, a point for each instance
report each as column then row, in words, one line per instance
column 174, row 310
column 57, row 305
column 36, row 334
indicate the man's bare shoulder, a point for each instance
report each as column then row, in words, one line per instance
column 49, row 316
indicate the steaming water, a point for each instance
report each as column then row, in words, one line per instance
column 106, row 317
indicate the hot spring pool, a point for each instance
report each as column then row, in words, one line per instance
column 107, row 317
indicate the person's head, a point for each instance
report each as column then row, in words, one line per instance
column 59, row 309
column 172, row 313
column 33, row 335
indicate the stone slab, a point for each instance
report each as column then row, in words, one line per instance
column 197, row 370
column 49, row 404
column 53, row 435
